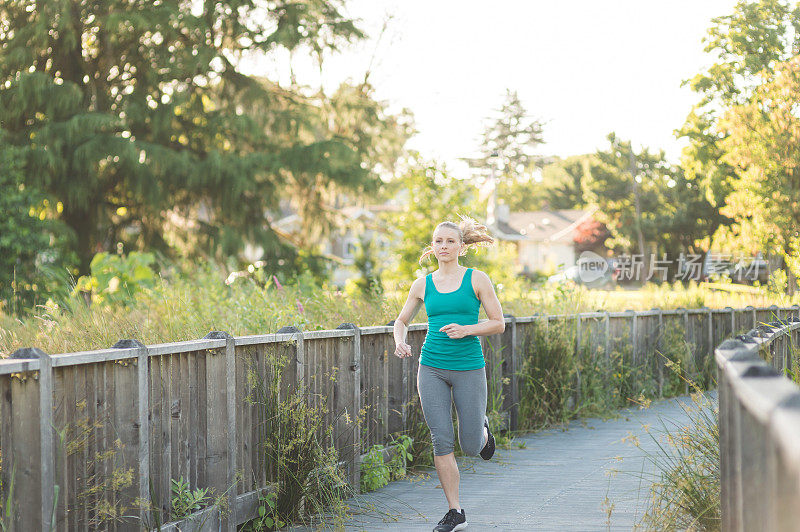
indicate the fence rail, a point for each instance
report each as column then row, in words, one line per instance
column 759, row 424
column 131, row 418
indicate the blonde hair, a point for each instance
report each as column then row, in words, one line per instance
column 469, row 231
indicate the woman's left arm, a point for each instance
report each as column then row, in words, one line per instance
column 496, row 323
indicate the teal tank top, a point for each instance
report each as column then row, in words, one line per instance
column 460, row 306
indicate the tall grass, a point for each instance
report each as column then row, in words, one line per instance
column 558, row 384
column 685, row 487
column 295, row 445
column 186, row 305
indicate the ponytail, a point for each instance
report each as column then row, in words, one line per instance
column 470, row 232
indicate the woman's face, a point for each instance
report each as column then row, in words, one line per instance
column 446, row 244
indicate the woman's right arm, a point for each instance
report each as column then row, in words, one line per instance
column 410, row 309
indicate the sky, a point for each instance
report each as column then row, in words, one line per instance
column 585, row 68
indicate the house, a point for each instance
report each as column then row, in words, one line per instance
column 354, row 223
column 545, row 240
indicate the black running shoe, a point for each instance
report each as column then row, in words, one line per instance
column 488, row 450
column 452, row 520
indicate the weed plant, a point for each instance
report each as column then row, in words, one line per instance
column 294, row 438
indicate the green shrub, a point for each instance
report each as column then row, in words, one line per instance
column 118, row 278
column 375, row 473
column 185, row 501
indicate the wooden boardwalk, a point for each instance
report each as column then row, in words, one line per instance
column 562, row 480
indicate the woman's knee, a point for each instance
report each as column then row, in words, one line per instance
column 471, row 445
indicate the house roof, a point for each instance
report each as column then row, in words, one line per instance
column 503, row 231
column 549, row 226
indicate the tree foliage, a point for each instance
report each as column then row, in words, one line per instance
column 675, row 216
column 136, row 117
column 763, row 145
column 753, row 38
column 430, row 196
column 32, row 242
column 513, row 136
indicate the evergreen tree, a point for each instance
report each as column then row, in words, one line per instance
column 134, row 115
column 513, row 136
column 32, row 242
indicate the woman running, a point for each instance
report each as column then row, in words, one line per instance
column 451, row 366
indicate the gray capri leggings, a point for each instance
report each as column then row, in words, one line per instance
column 438, row 390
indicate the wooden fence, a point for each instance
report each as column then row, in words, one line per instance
column 84, row 435
column 759, row 428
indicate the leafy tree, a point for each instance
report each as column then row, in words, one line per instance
column 429, row 196
column 753, row 38
column 763, row 145
column 558, row 187
column 563, row 180
column 675, row 216
column 134, row 115
column 367, row 263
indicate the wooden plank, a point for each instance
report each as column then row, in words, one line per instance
column 156, row 402
column 80, row 456
column 231, row 415
column 387, row 352
column 93, row 472
column 354, row 376
column 394, row 390
column 62, row 390
column 10, row 365
column 6, row 435
column 47, row 448
column 165, row 451
column 185, row 425
column 175, row 414
column 185, row 347
column 143, row 425
column 243, row 421
column 192, row 416
column 202, row 418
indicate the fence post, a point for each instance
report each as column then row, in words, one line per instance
column 355, row 405
column 47, row 449
column 710, row 318
column 634, row 335
column 733, row 321
column 300, row 357
column 229, row 522
column 514, row 364
column 776, row 312
column 143, row 419
column 659, row 354
column 685, row 313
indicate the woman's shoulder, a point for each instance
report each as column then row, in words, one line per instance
column 480, row 275
column 418, row 287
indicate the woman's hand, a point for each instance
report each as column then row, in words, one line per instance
column 402, row 350
column 454, row 330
